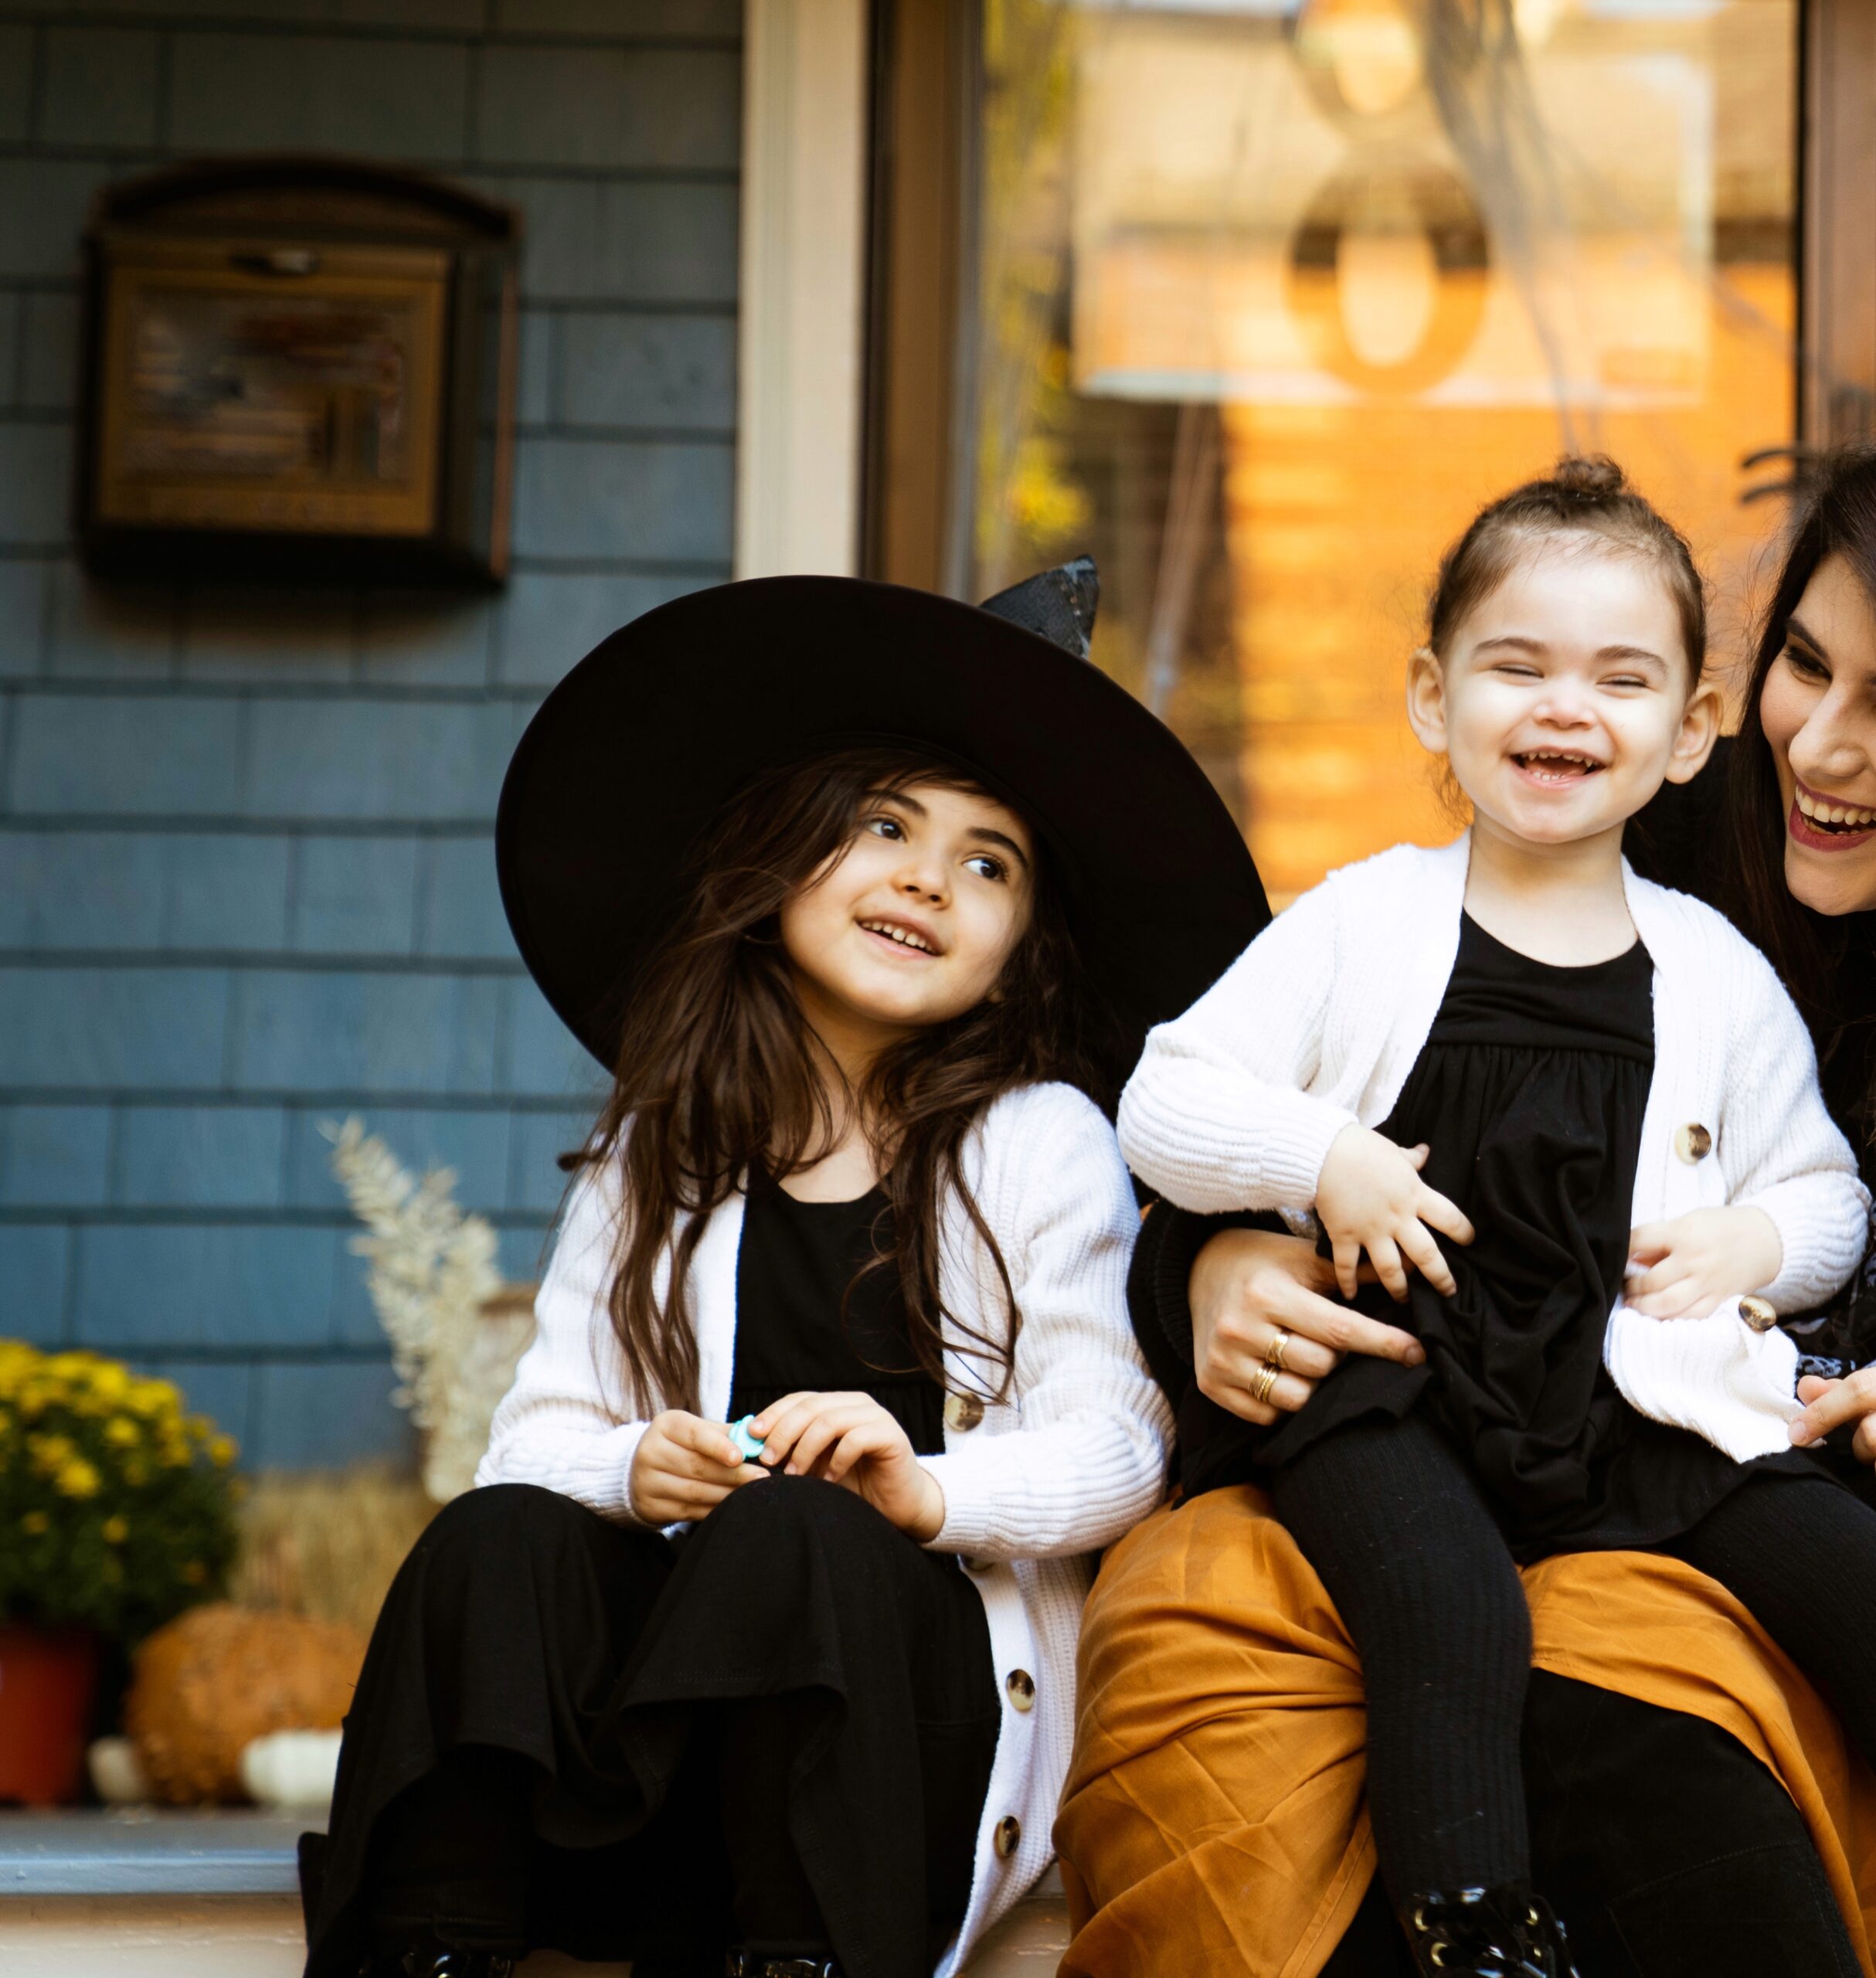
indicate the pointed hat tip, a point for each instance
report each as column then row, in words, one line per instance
column 1060, row 604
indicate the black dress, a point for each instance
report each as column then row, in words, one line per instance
column 1530, row 1091
column 775, row 1730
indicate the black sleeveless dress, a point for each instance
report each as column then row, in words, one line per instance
column 1530, row 1091
column 577, row 1736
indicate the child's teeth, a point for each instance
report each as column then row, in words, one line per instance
column 904, row 940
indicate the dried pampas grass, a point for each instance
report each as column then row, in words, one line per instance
column 327, row 1543
column 456, row 1330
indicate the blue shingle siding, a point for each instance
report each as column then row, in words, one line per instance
column 55, row 1156
column 15, row 83
column 35, row 1268
column 98, row 86
column 23, row 591
column 247, row 878
column 406, row 100
column 48, row 345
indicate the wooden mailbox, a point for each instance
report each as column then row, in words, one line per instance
column 298, row 368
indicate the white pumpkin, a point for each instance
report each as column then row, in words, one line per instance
column 291, row 1769
column 117, row 1772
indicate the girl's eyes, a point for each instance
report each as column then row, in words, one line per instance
column 1523, row 674
column 984, row 864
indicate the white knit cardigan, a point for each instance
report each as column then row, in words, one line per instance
column 1318, row 1022
column 1072, row 1458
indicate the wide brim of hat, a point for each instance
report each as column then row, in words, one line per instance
column 632, row 755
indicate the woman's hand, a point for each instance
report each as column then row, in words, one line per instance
column 1689, row 1265
column 1830, row 1405
column 1249, row 1286
column 1370, row 1197
column 684, row 1467
column 850, row 1440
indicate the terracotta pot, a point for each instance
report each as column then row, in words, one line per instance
column 47, row 1678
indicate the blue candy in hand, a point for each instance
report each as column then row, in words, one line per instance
column 749, row 1443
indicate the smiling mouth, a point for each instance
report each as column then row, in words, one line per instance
column 1557, row 765
column 901, row 937
column 1815, row 821
column 1824, row 816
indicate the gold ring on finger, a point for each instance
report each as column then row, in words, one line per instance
column 1260, row 1387
column 1274, row 1352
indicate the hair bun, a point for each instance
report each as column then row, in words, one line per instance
column 1589, row 477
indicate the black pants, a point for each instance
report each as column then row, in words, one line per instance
column 569, row 1735
column 1393, row 1521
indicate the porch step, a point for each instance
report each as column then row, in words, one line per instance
column 131, row 1893
column 137, row 1851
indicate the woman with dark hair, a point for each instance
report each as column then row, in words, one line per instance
column 1669, row 1843
column 1780, row 833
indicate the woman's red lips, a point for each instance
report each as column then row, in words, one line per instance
column 1806, row 833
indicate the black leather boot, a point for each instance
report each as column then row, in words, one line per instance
column 1504, row 1932
column 753, row 1964
column 437, row 1961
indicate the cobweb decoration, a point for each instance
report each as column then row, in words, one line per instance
column 431, row 1275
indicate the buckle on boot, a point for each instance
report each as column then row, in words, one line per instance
column 752, row 1964
column 1505, row 1932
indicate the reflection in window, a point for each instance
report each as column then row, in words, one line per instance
column 1272, row 299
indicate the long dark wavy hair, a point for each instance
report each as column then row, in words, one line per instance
column 718, row 1072
column 1835, row 516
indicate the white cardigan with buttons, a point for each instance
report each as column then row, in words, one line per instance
column 1071, row 1459
column 1318, row 1023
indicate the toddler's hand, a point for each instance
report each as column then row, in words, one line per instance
column 1370, row 1197
column 684, row 1467
column 1684, row 1268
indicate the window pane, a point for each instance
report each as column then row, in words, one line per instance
column 1273, row 299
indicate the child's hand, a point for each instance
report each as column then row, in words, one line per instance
column 684, row 1467
column 850, row 1440
column 1370, row 1197
column 1683, row 1268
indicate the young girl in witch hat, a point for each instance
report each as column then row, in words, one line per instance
column 756, row 1651
column 1515, row 1036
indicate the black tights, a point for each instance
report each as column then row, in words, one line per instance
column 1391, row 1519
column 1667, row 1847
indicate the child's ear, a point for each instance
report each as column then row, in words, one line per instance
column 1700, row 729
column 1426, row 700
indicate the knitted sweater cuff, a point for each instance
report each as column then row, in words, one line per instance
column 970, row 1523
column 593, row 1470
column 1202, row 1155
column 1821, row 1232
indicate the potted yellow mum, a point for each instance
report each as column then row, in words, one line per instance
column 117, row 1511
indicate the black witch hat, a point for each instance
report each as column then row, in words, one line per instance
column 633, row 755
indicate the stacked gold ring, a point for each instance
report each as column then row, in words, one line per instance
column 1274, row 1352
column 1267, row 1379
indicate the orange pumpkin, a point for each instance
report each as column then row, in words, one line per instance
column 218, row 1676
